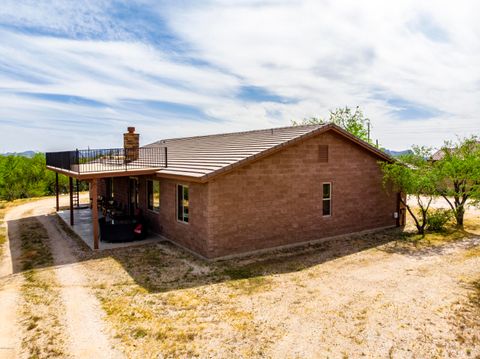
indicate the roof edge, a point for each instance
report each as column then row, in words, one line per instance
column 159, row 142
column 363, row 143
column 301, row 138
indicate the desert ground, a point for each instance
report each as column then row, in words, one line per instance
column 389, row 294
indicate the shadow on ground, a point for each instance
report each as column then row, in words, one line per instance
column 413, row 245
column 163, row 267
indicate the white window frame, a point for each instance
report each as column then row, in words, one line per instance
column 327, row 199
column 159, row 198
column 182, row 220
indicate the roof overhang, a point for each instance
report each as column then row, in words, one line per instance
column 329, row 127
column 208, row 177
column 104, row 174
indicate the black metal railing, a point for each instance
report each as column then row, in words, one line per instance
column 112, row 159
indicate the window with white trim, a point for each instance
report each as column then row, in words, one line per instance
column 327, row 199
column 182, row 203
column 153, row 195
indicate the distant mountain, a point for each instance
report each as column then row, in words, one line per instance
column 396, row 153
column 23, row 154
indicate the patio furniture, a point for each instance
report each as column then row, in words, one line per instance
column 122, row 230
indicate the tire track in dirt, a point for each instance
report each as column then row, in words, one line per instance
column 11, row 280
column 87, row 332
column 10, row 284
column 86, row 335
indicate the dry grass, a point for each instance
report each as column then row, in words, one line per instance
column 466, row 320
column 4, row 207
column 409, row 241
column 177, row 306
column 41, row 310
column 3, row 229
column 377, row 295
column 162, row 302
column 71, row 233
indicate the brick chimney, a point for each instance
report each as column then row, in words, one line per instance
column 131, row 144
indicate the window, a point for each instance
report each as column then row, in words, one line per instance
column 327, row 199
column 153, row 195
column 182, row 203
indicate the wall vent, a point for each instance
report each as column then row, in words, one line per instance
column 323, row 153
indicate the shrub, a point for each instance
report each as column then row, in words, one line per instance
column 437, row 219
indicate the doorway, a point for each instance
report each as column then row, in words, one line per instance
column 133, row 194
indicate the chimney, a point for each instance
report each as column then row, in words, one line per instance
column 131, row 144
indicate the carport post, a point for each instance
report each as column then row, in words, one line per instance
column 70, row 180
column 56, row 192
column 94, row 194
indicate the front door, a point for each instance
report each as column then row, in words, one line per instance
column 133, row 190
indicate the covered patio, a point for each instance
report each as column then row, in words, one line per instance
column 84, row 229
column 93, row 165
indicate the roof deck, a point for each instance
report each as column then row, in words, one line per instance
column 107, row 162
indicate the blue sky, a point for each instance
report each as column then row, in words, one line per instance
column 77, row 73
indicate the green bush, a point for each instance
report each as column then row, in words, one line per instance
column 437, row 219
column 24, row 177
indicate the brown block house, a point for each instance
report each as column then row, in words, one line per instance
column 235, row 193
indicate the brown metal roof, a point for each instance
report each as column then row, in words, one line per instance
column 202, row 157
column 440, row 154
column 437, row 156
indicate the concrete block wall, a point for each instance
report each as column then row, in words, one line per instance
column 274, row 201
column 278, row 200
column 192, row 235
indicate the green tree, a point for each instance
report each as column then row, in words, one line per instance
column 412, row 174
column 354, row 122
column 458, row 175
column 22, row 177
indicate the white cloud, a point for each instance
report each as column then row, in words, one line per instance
column 72, row 18
column 335, row 53
column 321, row 54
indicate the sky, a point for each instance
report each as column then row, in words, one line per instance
column 75, row 74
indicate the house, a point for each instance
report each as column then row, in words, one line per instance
column 438, row 155
column 442, row 152
column 235, row 193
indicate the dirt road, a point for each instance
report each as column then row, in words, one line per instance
column 86, row 335
column 374, row 295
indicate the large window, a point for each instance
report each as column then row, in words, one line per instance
column 327, row 199
column 153, row 195
column 182, row 203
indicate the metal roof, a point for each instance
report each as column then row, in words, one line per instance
column 437, row 156
column 201, row 157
